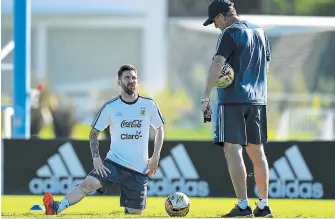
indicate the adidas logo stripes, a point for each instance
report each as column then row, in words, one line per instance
column 66, row 163
column 62, row 172
column 176, row 166
column 176, row 172
column 298, row 164
column 290, row 177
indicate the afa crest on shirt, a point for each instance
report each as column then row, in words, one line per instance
column 142, row 112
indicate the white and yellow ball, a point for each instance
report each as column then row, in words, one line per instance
column 177, row 204
column 226, row 77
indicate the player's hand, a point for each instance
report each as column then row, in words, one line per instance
column 206, row 109
column 152, row 165
column 99, row 167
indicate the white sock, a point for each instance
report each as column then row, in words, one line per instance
column 262, row 203
column 243, row 203
column 63, row 205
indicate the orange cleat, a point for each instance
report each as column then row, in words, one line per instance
column 49, row 204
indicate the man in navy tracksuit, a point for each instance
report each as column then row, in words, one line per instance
column 241, row 113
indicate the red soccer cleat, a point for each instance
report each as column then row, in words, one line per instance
column 49, row 204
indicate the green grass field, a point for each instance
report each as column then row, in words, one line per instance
column 108, row 207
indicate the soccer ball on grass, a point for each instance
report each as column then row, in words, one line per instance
column 226, row 77
column 177, row 204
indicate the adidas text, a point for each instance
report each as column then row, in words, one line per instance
column 54, row 185
column 294, row 189
column 291, row 177
column 189, row 187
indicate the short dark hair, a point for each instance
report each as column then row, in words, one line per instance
column 231, row 12
column 126, row 67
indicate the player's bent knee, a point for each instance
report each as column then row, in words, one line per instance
column 134, row 211
column 85, row 187
column 90, row 184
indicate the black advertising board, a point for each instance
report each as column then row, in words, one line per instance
column 37, row 166
column 297, row 169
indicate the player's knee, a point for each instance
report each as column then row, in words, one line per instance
column 256, row 153
column 85, row 187
column 134, row 211
column 90, row 184
column 231, row 150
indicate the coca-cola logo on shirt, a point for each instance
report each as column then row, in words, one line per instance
column 131, row 124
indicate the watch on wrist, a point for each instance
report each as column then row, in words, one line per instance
column 205, row 99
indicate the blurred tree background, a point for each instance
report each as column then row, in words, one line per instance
column 273, row 7
column 179, row 101
column 300, row 7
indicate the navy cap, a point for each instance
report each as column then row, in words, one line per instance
column 216, row 7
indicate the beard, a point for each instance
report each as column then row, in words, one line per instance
column 129, row 88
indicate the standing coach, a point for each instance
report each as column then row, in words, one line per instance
column 241, row 113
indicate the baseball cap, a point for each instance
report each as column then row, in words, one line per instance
column 216, row 7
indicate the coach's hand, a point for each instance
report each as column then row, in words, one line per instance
column 206, row 108
column 152, row 165
column 99, row 167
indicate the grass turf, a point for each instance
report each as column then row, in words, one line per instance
column 108, row 207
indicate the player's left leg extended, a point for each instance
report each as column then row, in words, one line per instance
column 89, row 184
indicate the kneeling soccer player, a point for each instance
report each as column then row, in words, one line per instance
column 129, row 117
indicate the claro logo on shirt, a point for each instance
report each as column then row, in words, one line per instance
column 136, row 135
column 131, row 124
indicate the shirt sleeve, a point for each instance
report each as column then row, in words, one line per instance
column 102, row 119
column 156, row 120
column 268, row 49
column 226, row 44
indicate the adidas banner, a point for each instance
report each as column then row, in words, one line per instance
column 297, row 169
